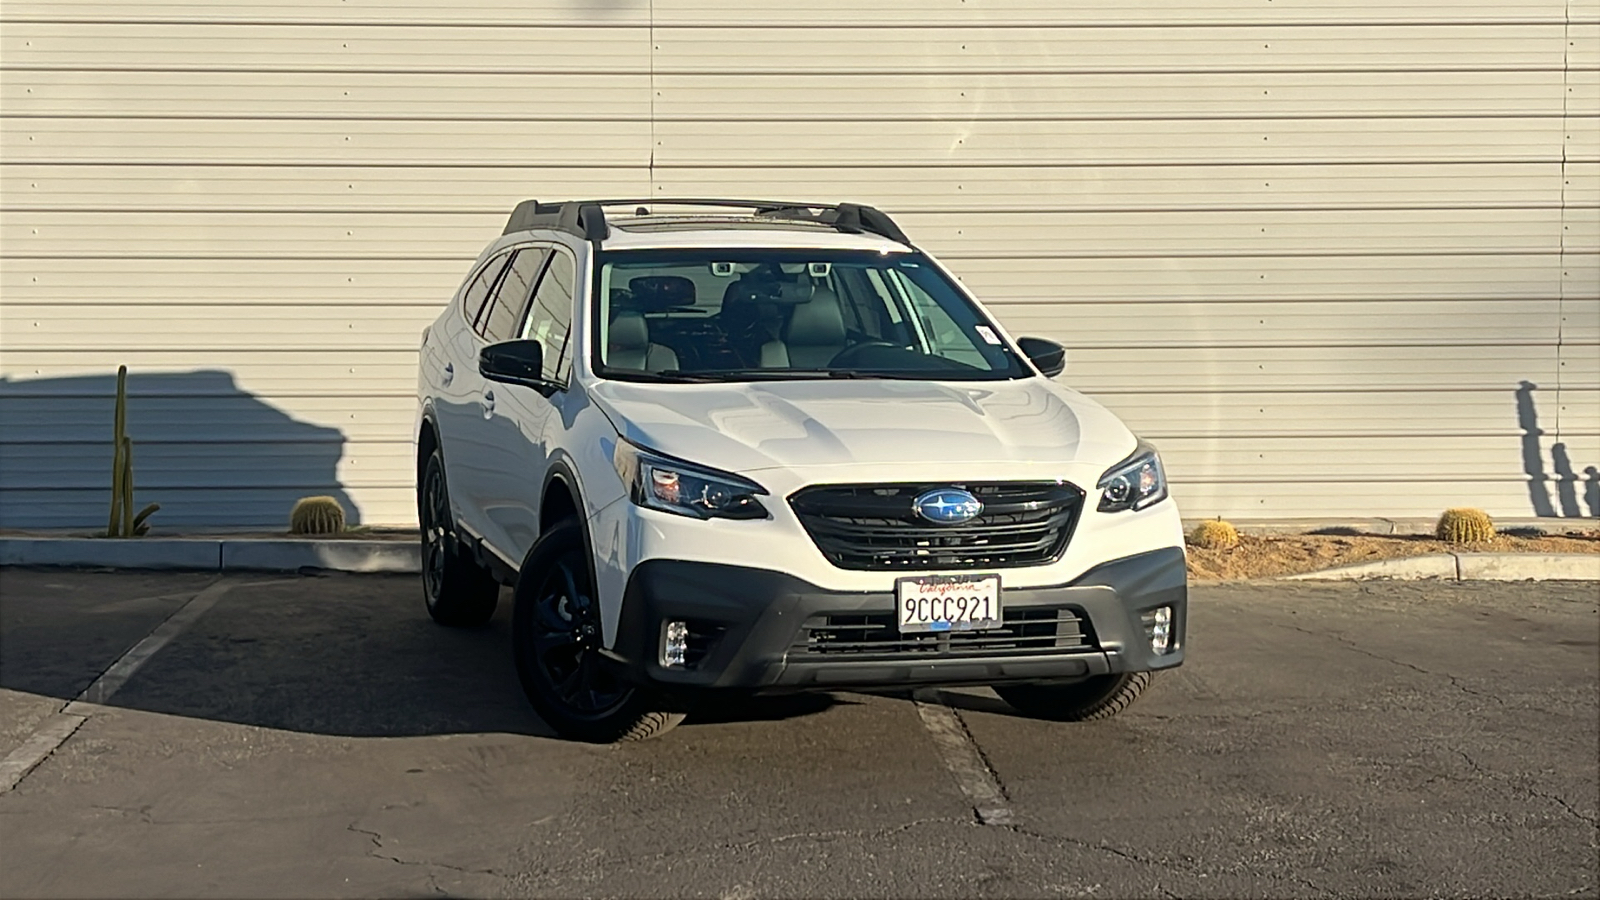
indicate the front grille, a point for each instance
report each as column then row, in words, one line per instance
column 1025, row 632
column 875, row 526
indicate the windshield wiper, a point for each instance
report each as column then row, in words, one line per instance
column 668, row 377
column 750, row 374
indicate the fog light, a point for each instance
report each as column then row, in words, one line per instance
column 675, row 643
column 1158, row 625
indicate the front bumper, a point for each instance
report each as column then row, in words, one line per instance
column 763, row 630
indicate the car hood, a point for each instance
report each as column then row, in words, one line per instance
column 989, row 429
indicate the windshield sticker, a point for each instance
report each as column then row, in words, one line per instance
column 988, row 335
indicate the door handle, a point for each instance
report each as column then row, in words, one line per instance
column 449, row 373
column 488, row 404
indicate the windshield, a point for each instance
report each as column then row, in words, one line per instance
column 748, row 315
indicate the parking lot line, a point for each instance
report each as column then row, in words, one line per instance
column 43, row 742
column 64, row 722
column 962, row 758
column 128, row 663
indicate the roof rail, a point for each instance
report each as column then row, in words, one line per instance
column 587, row 218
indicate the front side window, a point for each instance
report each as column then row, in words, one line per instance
column 744, row 315
column 550, row 315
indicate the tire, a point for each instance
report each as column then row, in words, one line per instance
column 1095, row 697
column 556, row 641
column 459, row 592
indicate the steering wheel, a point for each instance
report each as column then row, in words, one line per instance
column 849, row 355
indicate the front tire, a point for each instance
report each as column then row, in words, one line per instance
column 458, row 591
column 1095, row 697
column 557, row 641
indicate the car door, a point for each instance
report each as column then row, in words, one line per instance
column 536, row 413
column 458, row 388
column 496, row 474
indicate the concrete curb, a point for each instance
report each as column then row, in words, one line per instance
column 1468, row 567
column 140, row 553
column 340, row 556
column 213, row 554
column 1529, row 566
column 1405, row 568
column 290, row 555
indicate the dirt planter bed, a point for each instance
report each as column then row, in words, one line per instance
column 1277, row 555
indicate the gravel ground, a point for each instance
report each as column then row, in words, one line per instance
column 1271, row 556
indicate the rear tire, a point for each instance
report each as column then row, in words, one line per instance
column 1095, row 697
column 556, row 640
column 459, row 592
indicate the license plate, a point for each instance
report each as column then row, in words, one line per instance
column 948, row 602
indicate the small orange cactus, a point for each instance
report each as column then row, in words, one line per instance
column 316, row 515
column 1463, row 525
column 1214, row 534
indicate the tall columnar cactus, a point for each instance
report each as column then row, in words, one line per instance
column 316, row 515
column 1465, row 526
column 123, row 521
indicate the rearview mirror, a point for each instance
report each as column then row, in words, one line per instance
column 514, row 362
column 1048, row 356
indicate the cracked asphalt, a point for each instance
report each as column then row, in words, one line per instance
column 319, row 737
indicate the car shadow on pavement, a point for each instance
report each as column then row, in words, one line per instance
column 979, row 703
column 722, row 710
column 339, row 655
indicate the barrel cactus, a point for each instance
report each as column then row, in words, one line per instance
column 316, row 515
column 1214, row 534
column 1465, row 526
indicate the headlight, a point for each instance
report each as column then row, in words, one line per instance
column 674, row 486
column 1134, row 483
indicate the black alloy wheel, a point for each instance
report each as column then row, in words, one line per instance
column 457, row 590
column 557, row 641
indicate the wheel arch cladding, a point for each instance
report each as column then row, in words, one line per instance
column 557, row 502
column 427, row 442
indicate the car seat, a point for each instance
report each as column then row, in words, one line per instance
column 628, row 346
column 750, row 317
column 813, row 336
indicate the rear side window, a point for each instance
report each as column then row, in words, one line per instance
column 511, row 298
column 478, row 291
column 550, row 316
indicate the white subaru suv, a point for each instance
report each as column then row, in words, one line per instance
column 721, row 445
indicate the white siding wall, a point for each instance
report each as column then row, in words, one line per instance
column 1312, row 248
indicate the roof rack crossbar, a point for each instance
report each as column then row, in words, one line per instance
column 587, row 219
column 583, row 218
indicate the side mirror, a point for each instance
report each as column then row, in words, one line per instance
column 1048, row 356
column 514, row 362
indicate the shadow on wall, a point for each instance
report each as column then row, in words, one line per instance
column 207, row 451
column 1567, row 481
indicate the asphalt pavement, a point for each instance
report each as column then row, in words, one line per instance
column 299, row 736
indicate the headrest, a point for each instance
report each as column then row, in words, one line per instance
column 628, row 332
column 791, row 293
column 819, row 322
column 658, row 292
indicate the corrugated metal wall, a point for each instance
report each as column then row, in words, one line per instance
column 1337, row 257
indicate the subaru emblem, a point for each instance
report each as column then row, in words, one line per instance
column 947, row 506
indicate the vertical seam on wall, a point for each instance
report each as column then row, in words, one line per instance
column 1561, row 231
column 651, row 48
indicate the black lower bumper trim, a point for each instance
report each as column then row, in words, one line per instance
column 758, row 629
